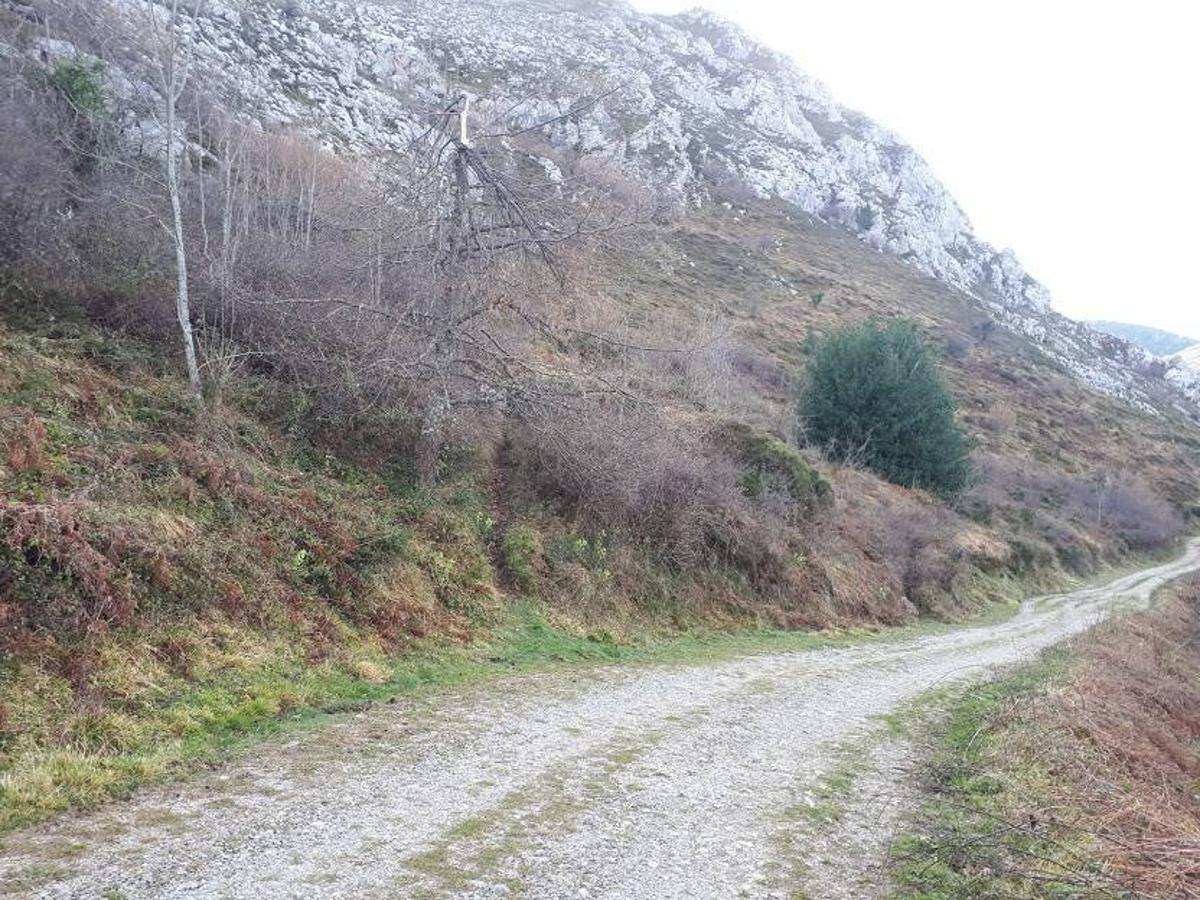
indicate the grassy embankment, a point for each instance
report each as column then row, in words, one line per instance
column 1073, row 777
column 172, row 587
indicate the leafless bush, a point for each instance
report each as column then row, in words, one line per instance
column 223, row 362
column 1071, row 512
column 1143, row 519
column 620, row 467
column 431, row 282
column 33, row 182
column 916, row 538
column 627, row 468
column 36, row 176
column 766, row 372
column 726, row 185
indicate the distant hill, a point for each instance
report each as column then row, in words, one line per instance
column 1190, row 356
column 1157, row 341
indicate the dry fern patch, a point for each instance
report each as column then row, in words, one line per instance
column 168, row 583
column 1076, row 777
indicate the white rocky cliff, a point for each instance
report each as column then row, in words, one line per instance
column 687, row 101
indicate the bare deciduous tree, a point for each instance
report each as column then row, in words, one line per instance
column 433, row 281
column 155, row 41
column 173, row 55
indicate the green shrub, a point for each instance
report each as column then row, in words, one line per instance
column 578, row 549
column 864, row 218
column 522, row 548
column 766, row 455
column 81, row 83
column 873, row 393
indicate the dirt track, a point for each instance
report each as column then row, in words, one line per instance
column 760, row 777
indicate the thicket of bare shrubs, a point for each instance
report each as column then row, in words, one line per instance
column 438, row 303
column 443, row 292
column 1080, row 519
column 685, row 499
column 912, row 548
column 433, row 281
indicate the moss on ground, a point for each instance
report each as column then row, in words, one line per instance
column 766, row 455
column 973, row 836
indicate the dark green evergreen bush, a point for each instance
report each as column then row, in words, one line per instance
column 874, row 394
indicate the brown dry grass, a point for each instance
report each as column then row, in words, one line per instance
column 1077, row 776
column 1120, row 741
column 760, row 268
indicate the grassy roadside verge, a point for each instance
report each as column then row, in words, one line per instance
column 209, row 722
column 226, row 715
column 973, row 836
column 1071, row 777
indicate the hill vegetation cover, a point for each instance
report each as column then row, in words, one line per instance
column 277, row 420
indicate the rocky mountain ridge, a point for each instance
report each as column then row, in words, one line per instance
column 685, row 102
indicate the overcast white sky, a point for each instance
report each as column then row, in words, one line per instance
column 1066, row 129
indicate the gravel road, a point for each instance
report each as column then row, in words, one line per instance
column 766, row 776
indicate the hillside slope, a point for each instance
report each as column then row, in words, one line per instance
column 606, row 452
column 777, row 277
column 680, row 103
column 780, row 276
column 168, row 584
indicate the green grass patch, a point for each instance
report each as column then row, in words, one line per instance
column 974, row 835
column 274, row 688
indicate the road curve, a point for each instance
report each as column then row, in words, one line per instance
column 698, row 781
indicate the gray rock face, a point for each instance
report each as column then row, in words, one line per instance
column 694, row 101
column 694, row 98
